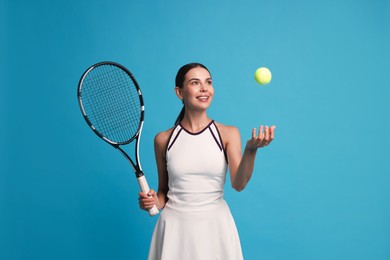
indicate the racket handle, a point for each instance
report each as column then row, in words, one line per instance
column 143, row 184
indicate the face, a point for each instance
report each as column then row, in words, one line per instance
column 197, row 91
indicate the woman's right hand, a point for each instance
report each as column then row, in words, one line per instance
column 147, row 200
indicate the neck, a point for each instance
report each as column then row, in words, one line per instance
column 195, row 122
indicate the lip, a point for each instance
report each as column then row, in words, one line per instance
column 203, row 98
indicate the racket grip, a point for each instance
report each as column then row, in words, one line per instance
column 143, row 184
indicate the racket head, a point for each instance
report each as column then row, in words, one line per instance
column 111, row 102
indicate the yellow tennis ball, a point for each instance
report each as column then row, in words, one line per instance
column 263, row 75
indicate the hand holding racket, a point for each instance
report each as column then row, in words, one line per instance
column 112, row 105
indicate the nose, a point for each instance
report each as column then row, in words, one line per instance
column 203, row 87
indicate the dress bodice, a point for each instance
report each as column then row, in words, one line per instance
column 197, row 166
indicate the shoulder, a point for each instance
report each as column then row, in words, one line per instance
column 161, row 139
column 227, row 129
column 228, row 133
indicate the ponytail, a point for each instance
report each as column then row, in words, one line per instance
column 180, row 116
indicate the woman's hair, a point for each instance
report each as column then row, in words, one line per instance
column 179, row 82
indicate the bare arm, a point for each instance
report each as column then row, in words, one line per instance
column 241, row 165
column 159, row 199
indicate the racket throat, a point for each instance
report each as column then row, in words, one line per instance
column 136, row 167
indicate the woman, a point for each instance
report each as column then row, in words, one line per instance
column 192, row 160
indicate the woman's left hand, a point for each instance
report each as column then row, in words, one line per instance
column 262, row 139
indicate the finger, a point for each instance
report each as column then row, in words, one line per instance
column 143, row 195
column 261, row 132
column 266, row 133
column 141, row 204
column 149, row 204
column 148, row 199
column 151, row 193
column 253, row 133
column 273, row 132
column 143, row 207
column 146, row 203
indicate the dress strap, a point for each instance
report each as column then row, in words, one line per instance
column 175, row 133
column 218, row 139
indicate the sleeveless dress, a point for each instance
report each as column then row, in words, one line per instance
column 196, row 223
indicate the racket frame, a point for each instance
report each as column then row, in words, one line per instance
column 137, row 164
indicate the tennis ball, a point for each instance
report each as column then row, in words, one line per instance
column 263, row 75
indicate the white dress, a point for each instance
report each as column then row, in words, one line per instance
column 196, row 223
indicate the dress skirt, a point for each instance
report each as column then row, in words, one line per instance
column 208, row 234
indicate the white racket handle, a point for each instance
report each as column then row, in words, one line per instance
column 143, row 184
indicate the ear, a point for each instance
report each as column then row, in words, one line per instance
column 178, row 92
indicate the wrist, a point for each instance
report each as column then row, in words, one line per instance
column 251, row 149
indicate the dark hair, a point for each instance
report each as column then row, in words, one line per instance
column 179, row 81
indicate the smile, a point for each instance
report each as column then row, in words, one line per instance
column 203, row 98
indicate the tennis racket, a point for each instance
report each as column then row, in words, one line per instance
column 112, row 105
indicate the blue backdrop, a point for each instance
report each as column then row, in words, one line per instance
column 320, row 191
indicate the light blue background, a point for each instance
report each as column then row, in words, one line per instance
column 320, row 191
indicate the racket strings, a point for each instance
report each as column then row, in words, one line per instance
column 112, row 103
column 115, row 103
column 112, row 119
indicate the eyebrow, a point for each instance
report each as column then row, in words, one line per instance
column 198, row 79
